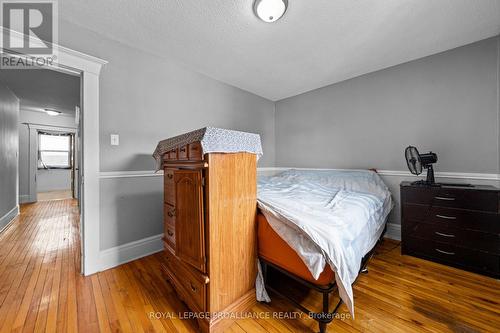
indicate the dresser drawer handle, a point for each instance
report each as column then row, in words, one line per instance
column 445, row 252
column 183, row 150
column 170, row 176
column 193, row 288
column 444, row 235
column 446, row 217
column 445, row 198
column 171, row 213
column 170, row 233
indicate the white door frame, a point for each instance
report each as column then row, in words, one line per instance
column 33, row 130
column 88, row 67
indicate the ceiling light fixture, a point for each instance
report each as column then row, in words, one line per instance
column 270, row 10
column 51, row 112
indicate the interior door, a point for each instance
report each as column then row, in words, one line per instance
column 189, row 222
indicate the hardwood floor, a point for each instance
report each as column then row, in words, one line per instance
column 41, row 290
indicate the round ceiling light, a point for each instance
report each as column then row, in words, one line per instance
column 270, row 10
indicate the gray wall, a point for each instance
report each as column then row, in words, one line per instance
column 131, row 209
column 145, row 99
column 9, row 113
column 53, row 179
column 446, row 103
column 46, row 180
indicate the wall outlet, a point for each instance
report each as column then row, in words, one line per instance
column 115, row 140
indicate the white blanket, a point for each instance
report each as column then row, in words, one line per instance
column 330, row 217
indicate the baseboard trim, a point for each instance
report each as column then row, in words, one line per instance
column 393, row 231
column 122, row 254
column 7, row 219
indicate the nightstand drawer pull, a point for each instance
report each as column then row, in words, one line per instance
column 446, row 217
column 444, row 235
column 445, row 252
column 445, row 198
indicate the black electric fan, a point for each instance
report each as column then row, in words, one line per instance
column 417, row 161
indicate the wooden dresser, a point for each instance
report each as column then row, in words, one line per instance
column 456, row 226
column 210, row 236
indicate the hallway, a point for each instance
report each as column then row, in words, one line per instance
column 38, row 264
column 41, row 288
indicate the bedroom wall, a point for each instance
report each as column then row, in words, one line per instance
column 9, row 113
column 447, row 103
column 145, row 99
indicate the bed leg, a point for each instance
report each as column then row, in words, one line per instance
column 326, row 308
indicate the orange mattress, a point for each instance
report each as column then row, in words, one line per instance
column 274, row 249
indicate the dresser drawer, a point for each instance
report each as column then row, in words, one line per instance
column 465, row 219
column 172, row 155
column 453, row 255
column 195, row 151
column 474, row 240
column 452, row 197
column 190, row 285
column 169, row 186
column 182, row 154
column 169, row 236
column 169, row 214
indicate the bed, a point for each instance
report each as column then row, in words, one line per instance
column 319, row 227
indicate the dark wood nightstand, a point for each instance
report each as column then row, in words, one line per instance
column 453, row 225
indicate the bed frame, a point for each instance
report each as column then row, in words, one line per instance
column 325, row 316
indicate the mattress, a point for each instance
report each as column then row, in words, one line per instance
column 329, row 218
column 275, row 250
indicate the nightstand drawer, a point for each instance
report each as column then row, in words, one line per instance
column 459, row 218
column 452, row 197
column 474, row 240
column 453, row 255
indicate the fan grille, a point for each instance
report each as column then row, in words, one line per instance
column 413, row 160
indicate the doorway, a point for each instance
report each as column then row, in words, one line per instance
column 48, row 126
column 87, row 68
column 56, row 170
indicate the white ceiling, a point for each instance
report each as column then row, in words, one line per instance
column 316, row 43
column 38, row 89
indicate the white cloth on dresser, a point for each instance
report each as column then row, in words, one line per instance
column 213, row 140
column 330, row 217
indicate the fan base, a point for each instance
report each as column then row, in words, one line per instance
column 426, row 183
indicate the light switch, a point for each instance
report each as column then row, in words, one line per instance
column 115, row 139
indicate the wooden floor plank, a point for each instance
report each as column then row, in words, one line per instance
column 41, row 289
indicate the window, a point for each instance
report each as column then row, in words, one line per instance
column 54, row 151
